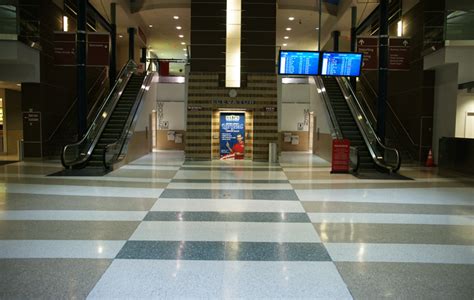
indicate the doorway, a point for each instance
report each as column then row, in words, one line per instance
column 469, row 127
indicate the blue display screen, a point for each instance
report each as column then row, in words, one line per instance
column 298, row 63
column 341, row 64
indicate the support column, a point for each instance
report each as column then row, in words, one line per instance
column 131, row 43
column 383, row 69
column 81, row 68
column 113, row 45
column 353, row 39
column 143, row 56
column 320, row 24
column 335, row 37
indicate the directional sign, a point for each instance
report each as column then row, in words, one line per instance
column 369, row 47
column 399, row 54
column 98, row 49
column 64, row 48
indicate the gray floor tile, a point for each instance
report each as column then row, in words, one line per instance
column 67, row 230
column 85, row 182
column 236, row 180
column 61, row 202
column 360, row 207
column 395, row 233
column 227, row 216
column 408, row 280
column 245, row 251
column 49, row 278
column 230, row 194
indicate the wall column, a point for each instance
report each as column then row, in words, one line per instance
column 113, row 45
column 131, row 43
column 81, row 68
column 383, row 69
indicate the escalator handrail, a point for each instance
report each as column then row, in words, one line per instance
column 114, row 95
column 336, row 130
column 122, row 142
column 349, row 94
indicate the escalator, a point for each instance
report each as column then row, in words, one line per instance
column 105, row 142
column 348, row 121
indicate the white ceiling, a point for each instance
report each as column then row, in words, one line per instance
column 163, row 36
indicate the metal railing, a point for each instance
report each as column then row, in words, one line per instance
column 117, row 151
column 377, row 149
column 74, row 155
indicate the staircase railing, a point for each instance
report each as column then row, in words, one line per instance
column 395, row 123
column 378, row 150
column 74, row 155
column 95, row 91
column 336, row 132
column 117, row 151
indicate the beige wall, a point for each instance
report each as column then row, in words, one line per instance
column 162, row 142
column 303, row 141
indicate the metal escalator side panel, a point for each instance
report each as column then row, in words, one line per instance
column 81, row 151
column 117, row 151
column 368, row 133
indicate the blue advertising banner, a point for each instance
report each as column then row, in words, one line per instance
column 232, row 133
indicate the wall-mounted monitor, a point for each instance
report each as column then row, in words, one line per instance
column 341, row 63
column 298, row 63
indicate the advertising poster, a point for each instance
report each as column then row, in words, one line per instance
column 232, row 134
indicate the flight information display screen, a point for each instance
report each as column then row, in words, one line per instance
column 341, row 64
column 298, row 63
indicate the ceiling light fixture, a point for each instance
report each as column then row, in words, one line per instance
column 183, row 43
column 120, row 36
column 150, row 26
column 284, row 45
column 179, row 27
column 176, row 17
column 181, row 36
column 184, row 49
column 286, row 37
column 288, row 28
column 291, row 18
column 317, row 28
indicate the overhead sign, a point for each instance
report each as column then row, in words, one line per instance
column 298, row 63
column 65, row 48
column 98, row 49
column 341, row 64
column 369, row 46
column 399, row 54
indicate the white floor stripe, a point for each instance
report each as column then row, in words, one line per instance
column 72, row 215
column 406, row 253
column 59, row 249
column 243, row 175
column 149, row 167
column 226, row 231
column 230, row 186
column 369, row 218
column 187, row 279
column 175, row 204
column 440, row 196
column 74, row 190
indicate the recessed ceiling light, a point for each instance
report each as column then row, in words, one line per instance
column 183, row 43
column 176, row 17
column 284, row 45
column 150, row 26
column 288, row 28
column 184, row 49
column 291, row 18
column 286, row 37
column 317, row 28
column 181, row 36
column 18, row 84
column 185, row 55
column 179, row 27
column 120, row 36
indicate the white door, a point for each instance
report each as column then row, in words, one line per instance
column 469, row 130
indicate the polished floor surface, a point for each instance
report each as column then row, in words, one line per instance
column 165, row 228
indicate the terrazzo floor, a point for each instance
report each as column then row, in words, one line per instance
column 165, row 228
